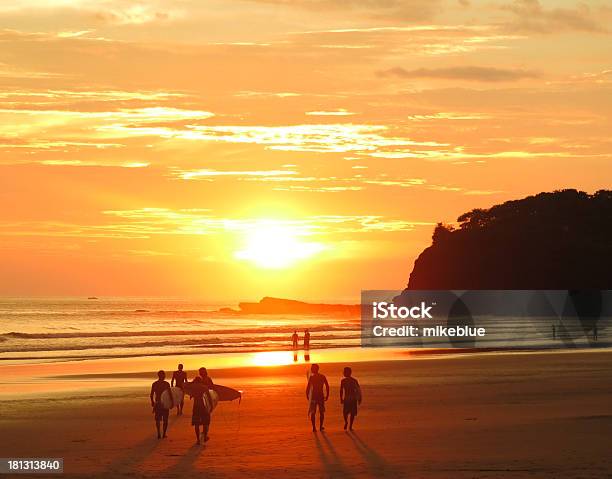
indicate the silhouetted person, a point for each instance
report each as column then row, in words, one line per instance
column 306, row 340
column 294, row 340
column 595, row 331
column 206, row 379
column 314, row 393
column 200, row 415
column 554, row 331
column 350, row 397
column 207, row 382
column 179, row 378
column 161, row 413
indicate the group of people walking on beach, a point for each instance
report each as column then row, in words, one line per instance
column 199, row 391
column 317, row 393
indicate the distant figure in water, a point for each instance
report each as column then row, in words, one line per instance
column 554, row 329
column 350, row 397
column 595, row 331
column 179, row 378
column 294, row 340
column 200, row 415
column 306, row 340
column 314, row 393
column 161, row 413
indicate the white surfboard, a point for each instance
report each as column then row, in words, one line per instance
column 177, row 397
column 210, row 406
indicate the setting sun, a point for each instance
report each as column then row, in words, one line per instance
column 273, row 246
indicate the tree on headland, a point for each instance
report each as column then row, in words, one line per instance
column 558, row 240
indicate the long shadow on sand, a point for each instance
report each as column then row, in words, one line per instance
column 132, row 458
column 184, row 466
column 135, row 455
column 375, row 463
column 334, row 467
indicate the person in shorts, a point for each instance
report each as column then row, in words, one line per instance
column 314, row 393
column 350, row 397
column 200, row 415
column 161, row 413
column 179, row 378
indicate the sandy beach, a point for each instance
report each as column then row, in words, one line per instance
column 492, row 415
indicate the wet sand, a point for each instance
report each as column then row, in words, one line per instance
column 497, row 415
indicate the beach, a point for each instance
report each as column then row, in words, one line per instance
column 536, row 414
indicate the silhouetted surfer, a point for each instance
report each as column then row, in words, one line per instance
column 207, row 382
column 200, row 415
column 350, row 397
column 314, row 393
column 206, row 379
column 306, row 340
column 294, row 340
column 179, row 378
column 161, row 413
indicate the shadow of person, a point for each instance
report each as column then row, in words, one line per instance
column 184, row 466
column 132, row 458
column 334, row 467
column 375, row 463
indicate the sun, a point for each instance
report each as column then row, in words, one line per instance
column 274, row 246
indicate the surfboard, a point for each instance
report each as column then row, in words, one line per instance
column 177, row 397
column 214, row 397
column 226, row 394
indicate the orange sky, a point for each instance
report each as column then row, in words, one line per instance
column 304, row 148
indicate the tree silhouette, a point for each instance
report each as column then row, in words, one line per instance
column 558, row 240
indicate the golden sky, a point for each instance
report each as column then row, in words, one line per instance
column 302, row 148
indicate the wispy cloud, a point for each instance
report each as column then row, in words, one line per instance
column 471, row 73
column 338, row 112
column 207, row 173
column 531, row 16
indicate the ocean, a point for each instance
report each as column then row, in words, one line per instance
column 77, row 329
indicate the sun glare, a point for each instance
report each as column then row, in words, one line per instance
column 272, row 358
column 275, row 247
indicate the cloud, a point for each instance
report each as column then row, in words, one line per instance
column 471, row 73
column 206, row 173
column 424, row 40
column 320, row 138
column 531, row 16
column 152, row 221
column 338, row 112
column 449, row 116
column 406, row 10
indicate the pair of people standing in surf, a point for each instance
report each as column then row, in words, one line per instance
column 198, row 391
column 350, row 397
column 295, row 339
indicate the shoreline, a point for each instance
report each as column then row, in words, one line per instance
column 57, row 378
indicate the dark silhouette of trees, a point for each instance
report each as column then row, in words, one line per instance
column 558, row 240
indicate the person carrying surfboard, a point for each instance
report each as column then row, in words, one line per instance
column 179, row 378
column 350, row 397
column 200, row 415
column 314, row 393
column 161, row 413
